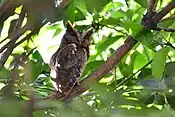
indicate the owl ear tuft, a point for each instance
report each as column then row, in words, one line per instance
column 88, row 33
column 70, row 27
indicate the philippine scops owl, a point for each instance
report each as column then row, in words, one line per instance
column 68, row 62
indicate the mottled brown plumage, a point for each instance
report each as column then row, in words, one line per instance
column 68, row 62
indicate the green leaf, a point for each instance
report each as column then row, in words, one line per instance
column 170, row 69
column 105, row 43
column 79, row 16
column 81, row 5
column 146, row 37
column 96, row 5
column 117, row 14
column 125, row 69
column 36, row 56
column 112, row 5
column 135, row 27
column 39, row 114
column 137, row 60
column 166, row 23
column 110, row 21
column 143, row 3
column 58, row 30
column 159, row 99
column 91, row 66
column 149, row 100
column 70, row 11
column 171, row 102
column 145, row 74
column 32, row 71
column 159, row 61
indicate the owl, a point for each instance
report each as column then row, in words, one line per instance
column 68, row 62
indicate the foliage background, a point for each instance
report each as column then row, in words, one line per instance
column 141, row 85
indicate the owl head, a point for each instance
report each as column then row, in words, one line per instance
column 77, row 37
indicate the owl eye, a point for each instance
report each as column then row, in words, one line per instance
column 69, row 37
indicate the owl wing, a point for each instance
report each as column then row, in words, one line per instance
column 70, row 61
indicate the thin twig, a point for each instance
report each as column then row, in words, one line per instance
column 130, row 76
column 113, row 29
column 9, row 46
column 168, row 18
column 170, row 45
column 157, row 17
column 18, row 33
column 152, row 6
column 22, row 40
column 164, row 29
column 4, row 39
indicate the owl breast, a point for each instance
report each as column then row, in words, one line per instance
column 69, row 63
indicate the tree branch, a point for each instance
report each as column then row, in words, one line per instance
column 7, row 49
column 151, row 19
column 109, row 64
column 157, row 17
column 152, row 6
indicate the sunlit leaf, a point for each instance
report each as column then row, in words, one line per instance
column 110, row 21
column 71, row 11
column 159, row 61
column 58, row 30
column 105, row 43
column 81, row 5
column 137, row 60
column 146, row 37
column 117, row 14
column 96, row 5
column 112, row 5
column 32, row 71
column 135, row 27
column 36, row 56
column 143, row 3
column 125, row 69
column 91, row 66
